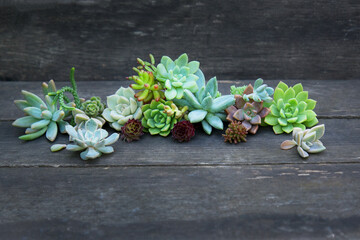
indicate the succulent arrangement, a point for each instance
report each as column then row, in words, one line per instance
column 171, row 97
column 307, row 141
column 291, row 108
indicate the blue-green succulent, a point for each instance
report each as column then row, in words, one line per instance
column 261, row 92
column 88, row 137
column 43, row 117
column 178, row 75
column 206, row 106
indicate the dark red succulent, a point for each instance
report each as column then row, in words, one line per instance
column 183, row 131
column 235, row 133
column 132, row 130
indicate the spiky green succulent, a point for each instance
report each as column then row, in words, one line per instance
column 261, row 92
column 88, row 137
column 93, row 107
column 237, row 90
column 121, row 107
column 205, row 106
column 149, row 88
column 156, row 120
column 235, row 133
column 42, row 116
column 178, row 75
column 307, row 141
column 291, row 108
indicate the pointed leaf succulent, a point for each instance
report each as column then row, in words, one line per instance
column 183, row 131
column 155, row 119
column 205, row 106
column 42, row 117
column 149, row 88
column 235, row 133
column 88, row 137
column 237, row 90
column 307, row 141
column 291, row 108
column 132, row 130
column 178, row 75
column 121, row 107
column 261, row 92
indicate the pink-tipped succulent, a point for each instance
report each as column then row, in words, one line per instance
column 132, row 130
column 235, row 133
column 249, row 113
column 183, row 131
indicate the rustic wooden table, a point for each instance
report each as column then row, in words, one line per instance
column 159, row 189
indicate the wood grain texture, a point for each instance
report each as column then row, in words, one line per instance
column 263, row 148
column 232, row 39
column 326, row 93
column 181, row 203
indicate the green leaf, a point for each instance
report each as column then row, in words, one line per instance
column 292, row 120
column 182, row 60
column 221, row 103
column 299, row 125
column 319, row 130
column 24, row 121
column 271, row 120
column 34, row 135
column 154, row 131
column 274, row 110
column 278, row 94
column 282, row 121
column 288, row 128
column 310, row 115
column 258, row 83
column 277, row 129
column 298, row 88
column 193, row 66
column 289, row 93
column 207, row 103
column 301, row 107
column 311, row 123
column 302, row 96
column 200, row 94
column 310, row 104
column 293, row 102
column 197, row 116
column 214, row 121
column 40, row 124
column 52, row 131
column 282, row 86
column 301, row 118
column 189, row 96
column 317, row 147
column 170, row 94
column 206, row 126
column 211, row 87
column 280, row 104
column 21, row 104
column 162, row 70
column 32, row 99
column 191, row 85
column 201, row 80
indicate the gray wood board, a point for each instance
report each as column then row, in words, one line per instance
column 248, row 202
column 334, row 98
column 232, row 39
column 263, row 148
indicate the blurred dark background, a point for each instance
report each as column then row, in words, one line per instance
column 247, row 39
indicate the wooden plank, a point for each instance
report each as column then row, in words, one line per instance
column 274, row 39
column 264, row 148
column 324, row 92
column 251, row 202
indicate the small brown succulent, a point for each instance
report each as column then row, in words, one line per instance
column 183, row 131
column 132, row 130
column 249, row 113
column 235, row 133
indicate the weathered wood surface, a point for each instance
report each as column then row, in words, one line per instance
column 264, row 148
column 326, row 94
column 233, row 39
column 314, row 201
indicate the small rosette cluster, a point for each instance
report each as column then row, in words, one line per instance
column 121, row 107
column 93, row 107
column 155, row 119
column 178, row 75
column 291, row 108
column 205, row 105
column 149, row 88
column 235, row 133
column 132, row 130
column 183, row 131
column 42, row 117
column 307, row 141
column 91, row 138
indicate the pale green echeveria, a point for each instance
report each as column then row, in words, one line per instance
column 205, row 106
column 88, row 137
column 81, row 117
column 261, row 92
column 42, row 117
column 291, row 108
column 121, row 107
column 307, row 141
column 178, row 75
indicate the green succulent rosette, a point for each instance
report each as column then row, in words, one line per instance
column 155, row 119
column 291, row 108
column 93, row 107
column 178, row 75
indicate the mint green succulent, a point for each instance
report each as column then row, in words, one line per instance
column 157, row 118
column 42, row 117
column 81, row 117
column 291, row 108
column 88, row 137
column 261, row 92
column 307, row 141
column 178, row 75
column 205, row 106
column 121, row 107
column 93, row 107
